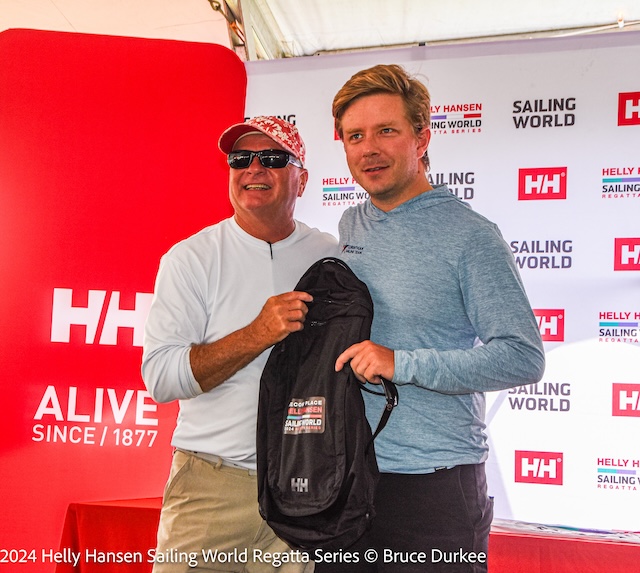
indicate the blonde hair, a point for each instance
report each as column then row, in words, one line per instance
column 386, row 79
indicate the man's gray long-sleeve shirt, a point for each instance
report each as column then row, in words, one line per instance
column 441, row 278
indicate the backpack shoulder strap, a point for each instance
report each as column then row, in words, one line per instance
column 391, row 396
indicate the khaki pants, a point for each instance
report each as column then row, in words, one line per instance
column 210, row 522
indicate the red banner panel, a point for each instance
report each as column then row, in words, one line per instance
column 108, row 156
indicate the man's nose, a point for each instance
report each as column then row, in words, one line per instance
column 255, row 164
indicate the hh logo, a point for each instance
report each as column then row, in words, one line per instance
column 542, row 183
column 627, row 254
column 539, row 467
column 100, row 318
column 626, row 400
column 301, row 485
column 550, row 323
column 629, row 108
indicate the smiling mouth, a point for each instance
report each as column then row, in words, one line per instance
column 374, row 169
column 260, row 187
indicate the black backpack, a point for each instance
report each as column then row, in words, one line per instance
column 317, row 470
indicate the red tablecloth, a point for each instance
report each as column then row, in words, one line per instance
column 126, row 531
column 94, row 531
column 531, row 553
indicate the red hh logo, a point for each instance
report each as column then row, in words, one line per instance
column 543, row 183
column 550, row 323
column 627, row 254
column 629, row 108
column 626, row 400
column 539, row 467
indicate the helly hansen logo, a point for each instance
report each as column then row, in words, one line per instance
column 629, row 108
column 626, row 400
column 539, row 467
column 100, row 314
column 300, row 485
column 627, row 254
column 540, row 184
column 550, row 323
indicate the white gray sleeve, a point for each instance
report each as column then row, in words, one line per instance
column 177, row 319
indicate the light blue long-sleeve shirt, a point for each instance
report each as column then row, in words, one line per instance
column 441, row 278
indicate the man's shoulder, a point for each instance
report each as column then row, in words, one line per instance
column 351, row 213
column 458, row 213
column 470, row 219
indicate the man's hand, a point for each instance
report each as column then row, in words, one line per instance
column 215, row 362
column 280, row 316
column 369, row 361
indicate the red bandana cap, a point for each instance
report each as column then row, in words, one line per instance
column 282, row 132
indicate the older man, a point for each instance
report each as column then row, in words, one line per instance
column 222, row 299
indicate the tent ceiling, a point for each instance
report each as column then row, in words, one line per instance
column 283, row 28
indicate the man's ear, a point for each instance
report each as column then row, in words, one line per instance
column 424, row 137
column 304, row 177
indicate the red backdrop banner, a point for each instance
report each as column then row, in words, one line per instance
column 108, row 156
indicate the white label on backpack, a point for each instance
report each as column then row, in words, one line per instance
column 305, row 416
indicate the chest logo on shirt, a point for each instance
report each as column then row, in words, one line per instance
column 352, row 249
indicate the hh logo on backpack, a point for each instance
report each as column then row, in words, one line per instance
column 317, row 470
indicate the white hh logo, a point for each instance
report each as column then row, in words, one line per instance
column 629, row 108
column 301, row 485
column 64, row 315
column 626, row 400
column 535, row 467
column 539, row 467
column 627, row 254
column 551, row 324
column 542, row 183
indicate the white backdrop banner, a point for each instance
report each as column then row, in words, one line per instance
column 543, row 138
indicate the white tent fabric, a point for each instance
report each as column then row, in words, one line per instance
column 273, row 29
column 303, row 28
